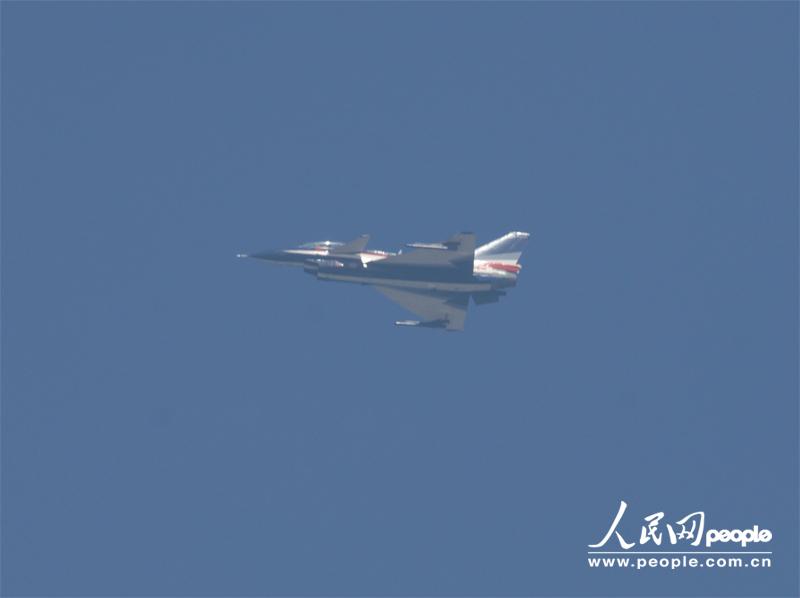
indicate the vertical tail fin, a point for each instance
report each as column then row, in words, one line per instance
column 506, row 249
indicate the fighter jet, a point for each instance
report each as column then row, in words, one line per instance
column 433, row 280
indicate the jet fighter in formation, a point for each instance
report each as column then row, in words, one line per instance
column 433, row 280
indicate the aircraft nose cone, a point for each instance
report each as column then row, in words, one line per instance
column 273, row 256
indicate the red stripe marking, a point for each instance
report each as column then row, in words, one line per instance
column 513, row 268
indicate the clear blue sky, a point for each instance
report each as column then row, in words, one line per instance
column 178, row 422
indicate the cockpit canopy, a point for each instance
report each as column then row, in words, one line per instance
column 321, row 245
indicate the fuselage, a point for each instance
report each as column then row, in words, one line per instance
column 366, row 267
column 434, row 281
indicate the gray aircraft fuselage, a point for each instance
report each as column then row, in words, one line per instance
column 434, row 280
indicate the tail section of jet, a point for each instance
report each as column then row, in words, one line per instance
column 501, row 257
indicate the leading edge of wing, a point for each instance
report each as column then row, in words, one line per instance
column 439, row 309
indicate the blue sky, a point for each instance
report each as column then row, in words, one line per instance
column 178, row 422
